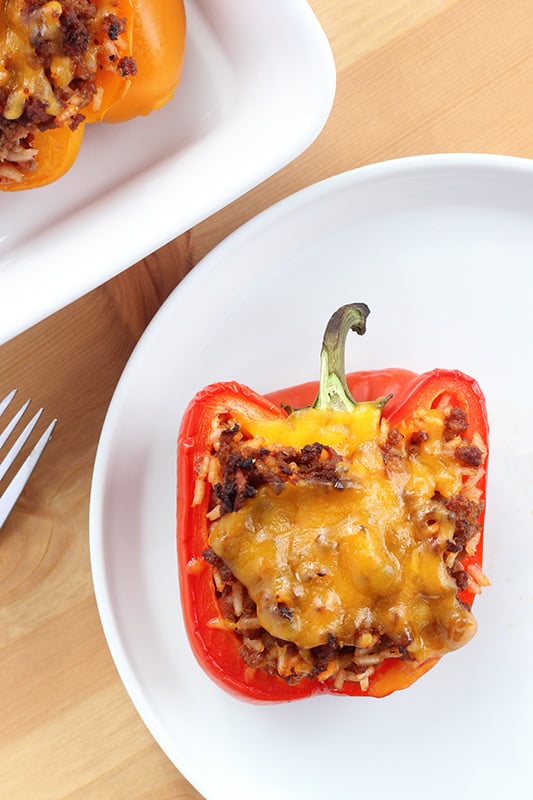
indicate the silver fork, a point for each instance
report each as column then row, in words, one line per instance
column 10, row 495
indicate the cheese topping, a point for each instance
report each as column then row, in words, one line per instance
column 26, row 72
column 322, row 562
column 57, row 60
column 342, row 430
column 21, row 70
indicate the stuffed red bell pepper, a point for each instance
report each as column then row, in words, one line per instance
column 65, row 63
column 326, row 543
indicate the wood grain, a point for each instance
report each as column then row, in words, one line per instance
column 430, row 76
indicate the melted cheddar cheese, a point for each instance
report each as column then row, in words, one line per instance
column 52, row 78
column 342, row 430
column 322, row 562
column 21, row 72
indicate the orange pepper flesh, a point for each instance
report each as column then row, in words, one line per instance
column 158, row 46
column 113, row 85
column 57, row 151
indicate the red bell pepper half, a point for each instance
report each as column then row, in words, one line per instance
column 397, row 393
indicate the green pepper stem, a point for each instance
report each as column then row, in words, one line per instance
column 333, row 391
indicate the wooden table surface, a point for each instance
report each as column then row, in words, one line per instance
column 413, row 77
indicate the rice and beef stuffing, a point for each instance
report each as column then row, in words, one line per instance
column 246, row 478
column 50, row 54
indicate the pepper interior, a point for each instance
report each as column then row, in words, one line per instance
column 52, row 55
column 336, row 542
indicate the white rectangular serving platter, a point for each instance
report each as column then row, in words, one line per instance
column 257, row 87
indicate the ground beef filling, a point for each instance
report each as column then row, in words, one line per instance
column 243, row 468
column 50, row 52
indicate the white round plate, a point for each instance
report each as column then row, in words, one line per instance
column 441, row 249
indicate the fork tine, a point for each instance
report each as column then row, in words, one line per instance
column 5, row 434
column 12, row 492
column 6, row 401
column 20, row 442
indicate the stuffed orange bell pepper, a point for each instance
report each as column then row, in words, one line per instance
column 326, row 543
column 66, row 63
